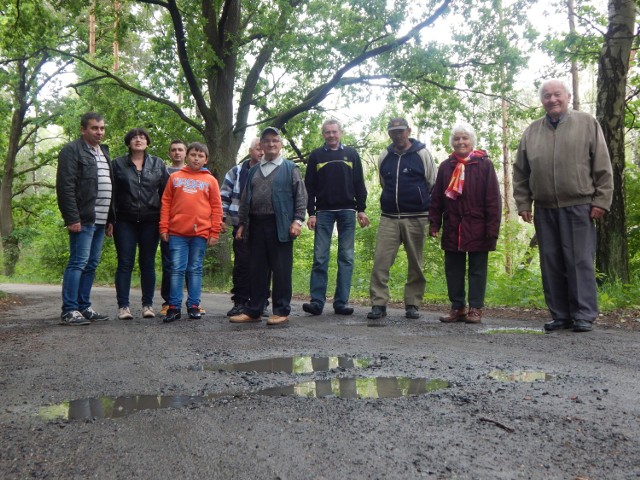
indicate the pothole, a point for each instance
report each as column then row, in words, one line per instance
column 293, row 364
column 115, row 407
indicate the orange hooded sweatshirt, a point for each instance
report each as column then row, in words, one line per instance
column 191, row 205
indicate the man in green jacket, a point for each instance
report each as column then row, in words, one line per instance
column 563, row 166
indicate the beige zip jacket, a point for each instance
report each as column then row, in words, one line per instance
column 563, row 167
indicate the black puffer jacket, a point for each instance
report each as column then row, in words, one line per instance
column 137, row 198
column 77, row 182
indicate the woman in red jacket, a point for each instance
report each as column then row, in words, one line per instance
column 466, row 203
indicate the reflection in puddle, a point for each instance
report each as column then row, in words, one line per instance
column 520, row 330
column 297, row 364
column 114, row 407
column 376, row 387
column 519, row 376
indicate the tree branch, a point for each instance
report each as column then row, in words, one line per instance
column 130, row 88
column 320, row 93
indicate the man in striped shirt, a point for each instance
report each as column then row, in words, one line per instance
column 83, row 187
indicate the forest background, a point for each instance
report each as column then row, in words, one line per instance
column 220, row 70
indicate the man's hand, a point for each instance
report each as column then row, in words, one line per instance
column 164, row 237
column 294, row 229
column 597, row 212
column 109, row 230
column 433, row 233
column 240, row 232
column 75, row 227
column 311, row 223
column 526, row 216
column 211, row 241
column 363, row 220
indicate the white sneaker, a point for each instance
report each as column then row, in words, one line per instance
column 124, row 313
column 147, row 311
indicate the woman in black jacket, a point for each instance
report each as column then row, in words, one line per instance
column 139, row 180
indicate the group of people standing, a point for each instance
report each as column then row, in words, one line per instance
column 562, row 167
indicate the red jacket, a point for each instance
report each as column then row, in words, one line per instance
column 471, row 223
column 191, row 205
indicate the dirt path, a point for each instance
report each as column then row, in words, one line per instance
column 581, row 419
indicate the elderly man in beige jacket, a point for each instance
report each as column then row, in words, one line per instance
column 563, row 167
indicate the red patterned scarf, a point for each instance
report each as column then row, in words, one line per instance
column 456, row 185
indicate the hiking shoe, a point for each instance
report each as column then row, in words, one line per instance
column 73, row 318
column 163, row 310
column 124, row 313
column 377, row 312
column 147, row 311
column 173, row 314
column 455, row 315
column 580, row 325
column 236, row 310
column 344, row 310
column 194, row 312
column 313, row 308
column 474, row 315
column 412, row 312
column 93, row 316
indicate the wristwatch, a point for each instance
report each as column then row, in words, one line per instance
column 298, row 221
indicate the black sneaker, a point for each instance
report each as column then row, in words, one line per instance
column 73, row 318
column 313, row 308
column 236, row 310
column 412, row 312
column 377, row 312
column 93, row 316
column 194, row 312
column 173, row 314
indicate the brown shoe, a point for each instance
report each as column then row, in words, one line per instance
column 474, row 315
column 244, row 318
column 459, row 315
column 277, row 320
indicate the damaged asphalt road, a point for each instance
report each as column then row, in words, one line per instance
column 143, row 399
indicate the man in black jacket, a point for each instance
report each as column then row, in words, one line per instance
column 407, row 175
column 83, row 186
column 336, row 191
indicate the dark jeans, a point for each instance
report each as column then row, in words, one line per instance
column 127, row 236
column 346, row 223
column 269, row 256
column 454, row 268
column 85, row 248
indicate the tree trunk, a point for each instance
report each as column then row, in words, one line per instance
column 575, row 80
column 10, row 245
column 611, row 255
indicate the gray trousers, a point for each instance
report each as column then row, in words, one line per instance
column 393, row 232
column 567, row 241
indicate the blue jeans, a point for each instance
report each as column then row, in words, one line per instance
column 127, row 236
column 187, row 255
column 85, row 248
column 346, row 223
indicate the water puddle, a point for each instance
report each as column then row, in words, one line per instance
column 519, row 376
column 115, row 407
column 519, row 331
column 295, row 364
column 374, row 387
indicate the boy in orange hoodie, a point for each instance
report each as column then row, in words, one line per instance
column 190, row 220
